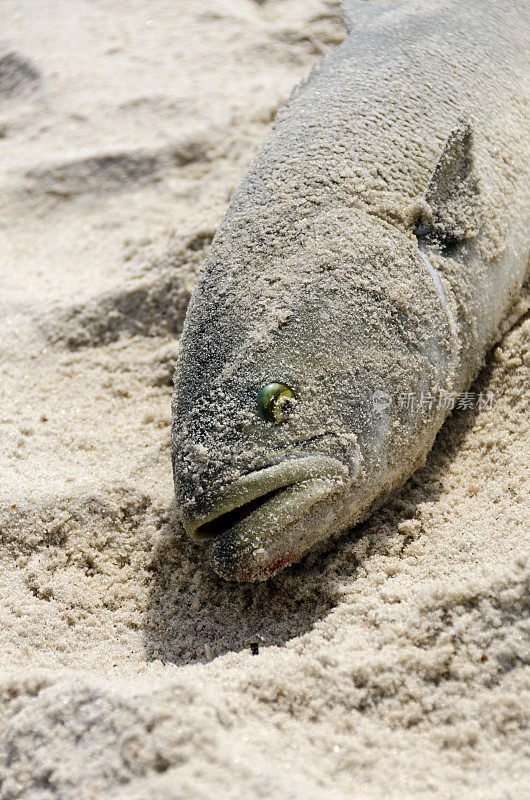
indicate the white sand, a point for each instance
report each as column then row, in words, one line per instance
column 393, row 665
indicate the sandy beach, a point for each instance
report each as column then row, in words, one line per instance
column 393, row 663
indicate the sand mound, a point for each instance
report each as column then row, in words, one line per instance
column 392, row 664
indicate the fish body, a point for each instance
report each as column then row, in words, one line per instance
column 364, row 268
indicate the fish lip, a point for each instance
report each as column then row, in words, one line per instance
column 296, row 468
column 276, row 534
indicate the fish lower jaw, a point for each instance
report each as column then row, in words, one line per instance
column 269, row 538
column 251, row 526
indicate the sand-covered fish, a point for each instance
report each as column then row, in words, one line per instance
column 364, row 268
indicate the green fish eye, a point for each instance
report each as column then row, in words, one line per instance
column 275, row 402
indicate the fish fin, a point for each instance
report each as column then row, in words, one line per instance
column 453, row 213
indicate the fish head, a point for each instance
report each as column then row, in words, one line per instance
column 273, row 403
column 260, row 451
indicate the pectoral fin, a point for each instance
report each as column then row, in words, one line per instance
column 453, row 212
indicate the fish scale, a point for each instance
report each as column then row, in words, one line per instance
column 371, row 253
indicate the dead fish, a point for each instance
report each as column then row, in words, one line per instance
column 370, row 255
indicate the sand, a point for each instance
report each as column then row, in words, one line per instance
column 393, row 664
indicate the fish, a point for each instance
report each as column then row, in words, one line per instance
column 364, row 268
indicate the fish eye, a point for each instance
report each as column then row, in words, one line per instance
column 275, row 402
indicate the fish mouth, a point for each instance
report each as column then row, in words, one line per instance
column 251, row 524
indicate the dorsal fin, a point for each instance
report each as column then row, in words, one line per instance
column 453, row 208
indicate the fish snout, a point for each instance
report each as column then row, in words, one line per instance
column 257, row 524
